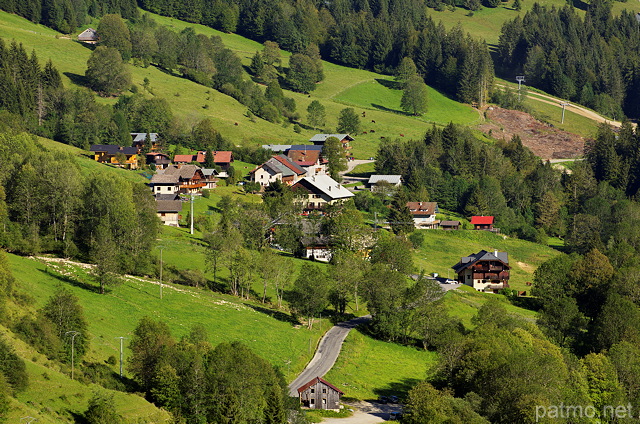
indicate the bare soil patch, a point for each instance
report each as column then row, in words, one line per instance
column 543, row 139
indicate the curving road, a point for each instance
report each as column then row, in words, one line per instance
column 327, row 353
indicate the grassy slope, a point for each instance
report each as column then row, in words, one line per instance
column 188, row 99
column 443, row 249
column 368, row 368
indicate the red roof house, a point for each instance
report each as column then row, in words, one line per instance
column 482, row 222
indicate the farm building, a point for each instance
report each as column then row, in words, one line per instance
column 320, row 394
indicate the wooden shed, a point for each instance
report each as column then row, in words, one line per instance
column 320, row 394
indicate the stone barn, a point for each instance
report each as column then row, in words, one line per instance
column 320, row 394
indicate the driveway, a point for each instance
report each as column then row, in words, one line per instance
column 327, row 353
column 366, row 413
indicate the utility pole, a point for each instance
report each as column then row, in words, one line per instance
column 121, row 354
column 375, row 221
column 191, row 213
column 564, row 105
column 73, row 338
column 520, row 79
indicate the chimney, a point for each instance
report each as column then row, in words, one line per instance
column 495, row 253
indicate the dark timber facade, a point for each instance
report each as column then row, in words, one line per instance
column 320, row 394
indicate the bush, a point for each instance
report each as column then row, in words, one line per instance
column 417, row 239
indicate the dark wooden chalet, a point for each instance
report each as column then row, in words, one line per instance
column 484, row 271
column 320, row 394
column 450, row 225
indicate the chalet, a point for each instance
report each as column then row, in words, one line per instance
column 89, row 36
column 319, row 190
column 159, row 160
column 278, row 168
column 484, row 271
column 345, row 139
column 190, row 178
column 210, row 181
column 123, row 157
column 393, row 180
column 169, row 211
column 450, row 225
column 139, row 139
column 482, row 222
column 165, row 184
column 320, row 394
column 424, row 214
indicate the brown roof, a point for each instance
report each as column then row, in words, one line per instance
column 449, row 223
column 422, row 208
column 184, row 158
column 168, row 205
column 318, row 379
column 304, row 155
column 185, row 172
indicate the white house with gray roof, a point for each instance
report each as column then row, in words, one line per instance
column 320, row 190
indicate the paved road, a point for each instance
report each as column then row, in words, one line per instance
column 327, row 353
column 366, row 413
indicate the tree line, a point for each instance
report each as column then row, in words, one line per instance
column 591, row 60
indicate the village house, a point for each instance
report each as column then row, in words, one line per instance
column 484, row 271
column 308, row 158
column 221, row 158
column 394, row 181
column 278, row 168
column 169, row 211
column 139, row 139
column 190, row 178
column 210, row 181
column 482, row 223
column 319, row 190
column 165, row 184
column 320, row 394
column 424, row 214
column 123, row 157
column 89, row 36
column 345, row 139
column 159, row 160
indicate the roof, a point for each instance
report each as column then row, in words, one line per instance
column 208, row 172
column 305, row 147
column 482, row 255
column 289, row 164
column 321, row 138
column 318, row 380
column 165, row 179
column 166, row 196
column 450, row 223
column 141, row 137
column 326, row 185
column 168, row 205
column 185, row 172
column 184, row 158
column 88, row 34
column 481, row 220
column 308, row 157
column 391, row 179
column 112, row 149
column 276, row 147
column 422, row 208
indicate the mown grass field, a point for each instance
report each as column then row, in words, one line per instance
column 443, row 249
column 368, row 368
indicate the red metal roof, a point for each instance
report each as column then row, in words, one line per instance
column 323, row 381
column 481, row 220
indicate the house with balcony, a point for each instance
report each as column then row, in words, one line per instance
column 424, row 214
column 484, row 271
column 122, row 157
column 345, row 139
column 278, row 168
column 317, row 191
column 221, row 158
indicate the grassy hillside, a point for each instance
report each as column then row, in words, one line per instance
column 188, row 99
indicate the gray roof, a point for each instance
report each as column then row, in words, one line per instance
column 112, row 149
column 482, row 255
column 449, row 223
column 165, row 196
column 208, row 172
column 165, row 179
column 321, row 138
column 186, row 172
column 140, row 137
column 391, row 179
column 168, row 205
column 276, row 147
column 305, row 147
column 326, row 185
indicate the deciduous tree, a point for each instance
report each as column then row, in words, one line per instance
column 106, row 73
column 348, row 121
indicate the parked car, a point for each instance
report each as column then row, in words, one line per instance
column 383, row 399
column 394, row 416
column 393, row 399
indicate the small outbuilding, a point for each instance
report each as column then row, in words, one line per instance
column 320, row 394
column 482, row 222
column 89, row 36
column 450, row 225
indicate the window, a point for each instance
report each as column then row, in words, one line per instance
column 313, row 391
column 324, row 390
column 324, row 401
column 312, row 401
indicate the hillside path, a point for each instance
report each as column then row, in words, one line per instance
column 544, row 98
column 326, row 354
